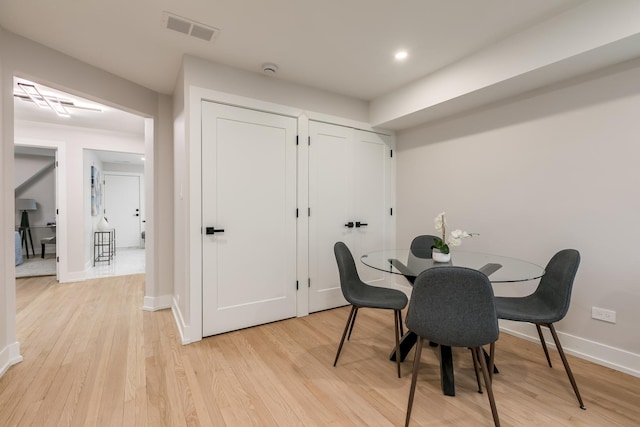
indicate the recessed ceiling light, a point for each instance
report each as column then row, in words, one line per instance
column 401, row 55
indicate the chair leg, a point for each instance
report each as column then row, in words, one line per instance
column 400, row 319
column 487, row 384
column 492, row 349
column 398, row 322
column 544, row 345
column 353, row 322
column 344, row 334
column 475, row 368
column 414, row 377
column 566, row 365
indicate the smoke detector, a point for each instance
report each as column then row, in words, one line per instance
column 188, row 27
column 269, row 68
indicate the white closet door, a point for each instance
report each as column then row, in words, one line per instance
column 249, row 191
column 371, row 156
column 348, row 183
column 331, row 181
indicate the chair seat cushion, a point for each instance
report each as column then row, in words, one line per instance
column 525, row 309
column 375, row 297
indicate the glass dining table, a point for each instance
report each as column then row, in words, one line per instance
column 499, row 269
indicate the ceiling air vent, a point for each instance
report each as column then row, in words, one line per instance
column 188, row 27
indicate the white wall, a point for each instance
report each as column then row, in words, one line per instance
column 557, row 169
column 9, row 345
column 24, row 58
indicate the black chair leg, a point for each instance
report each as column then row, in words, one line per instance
column 344, row 334
column 566, row 365
column 353, row 322
column 414, row 377
column 544, row 344
column 487, row 384
column 476, row 369
column 492, row 365
column 398, row 325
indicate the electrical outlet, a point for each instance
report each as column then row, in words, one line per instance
column 603, row 314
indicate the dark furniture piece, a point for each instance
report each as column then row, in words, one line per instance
column 361, row 295
column 548, row 304
column 454, row 307
column 104, row 246
column 47, row 241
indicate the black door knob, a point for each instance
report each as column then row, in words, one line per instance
column 349, row 224
column 213, row 230
column 361, row 224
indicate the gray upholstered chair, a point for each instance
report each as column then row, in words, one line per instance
column 421, row 245
column 360, row 295
column 421, row 248
column 454, row 306
column 548, row 304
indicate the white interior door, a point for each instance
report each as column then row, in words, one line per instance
column 348, row 185
column 371, row 198
column 122, row 208
column 249, row 191
column 331, row 181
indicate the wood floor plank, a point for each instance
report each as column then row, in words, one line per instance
column 93, row 357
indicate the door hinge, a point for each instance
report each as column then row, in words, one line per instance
column 391, row 211
column 309, row 141
column 309, row 212
column 390, row 153
column 57, row 259
column 296, row 212
column 309, row 282
column 296, row 285
column 297, row 139
column 56, row 163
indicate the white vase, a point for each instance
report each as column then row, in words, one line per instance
column 439, row 256
column 103, row 225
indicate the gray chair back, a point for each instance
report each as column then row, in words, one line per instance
column 421, row 246
column 453, row 306
column 350, row 282
column 554, row 290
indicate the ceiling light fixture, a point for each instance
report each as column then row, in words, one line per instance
column 401, row 55
column 42, row 101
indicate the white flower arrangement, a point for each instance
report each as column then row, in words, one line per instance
column 455, row 238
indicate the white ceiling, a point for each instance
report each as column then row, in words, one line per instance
column 343, row 46
column 85, row 116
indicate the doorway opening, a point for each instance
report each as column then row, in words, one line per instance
column 36, row 196
column 120, row 203
column 86, row 126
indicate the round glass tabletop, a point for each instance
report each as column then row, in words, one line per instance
column 498, row 268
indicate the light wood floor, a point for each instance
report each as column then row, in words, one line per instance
column 92, row 357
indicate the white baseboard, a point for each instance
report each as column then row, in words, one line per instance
column 188, row 334
column 9, row 356
column 72, row 276
column 601, row 354
column 157, row 303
